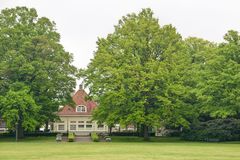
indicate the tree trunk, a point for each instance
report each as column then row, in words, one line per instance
column 137, row 131
column 16, row 132
column 145, row 133
column 110, row 130
column 19, row 131
column 141, row 130
column 46, row 127
column 20, row 127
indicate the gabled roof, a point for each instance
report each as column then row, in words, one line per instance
column 80, row 99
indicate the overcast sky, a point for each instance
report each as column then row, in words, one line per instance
column 81, row 22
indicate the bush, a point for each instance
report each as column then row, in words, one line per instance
column 7, row 134
column 36, row 134
column 71, row 137
column 129, row 133
column 214, row 130
column 29, row 134
column 95, row 137
column 125, row 133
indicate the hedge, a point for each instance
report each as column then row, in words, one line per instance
column 214, row 130
column 29, row 134
column 129, row 134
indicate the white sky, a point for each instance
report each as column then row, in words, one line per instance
column 81, row 22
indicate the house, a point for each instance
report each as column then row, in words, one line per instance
column 3, row 127
column 78, row 118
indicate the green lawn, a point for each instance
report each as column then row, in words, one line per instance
column 122, row 148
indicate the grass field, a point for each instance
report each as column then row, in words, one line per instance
column 122, row 148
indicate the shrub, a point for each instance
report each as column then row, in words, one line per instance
column 130, row 133
column 214, row 130
column 29, row 134
column 36, row 134
column 71, row 137
column 95, row 137
column 7, row 134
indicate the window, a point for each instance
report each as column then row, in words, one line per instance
column 100, row 126
column 73, row 127
column 88, row 126
column 61, row 127
column 89, row 122
column 72, row 121
column 81, row 109
column 81, row 126
column 80, row 121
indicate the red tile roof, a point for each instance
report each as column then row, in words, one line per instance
column 79, row 99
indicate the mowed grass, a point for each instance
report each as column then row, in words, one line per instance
column 122, row 148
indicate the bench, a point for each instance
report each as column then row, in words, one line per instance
column 59, row 137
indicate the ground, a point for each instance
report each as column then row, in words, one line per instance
column 122, row 148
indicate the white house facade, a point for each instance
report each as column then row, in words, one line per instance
column 78, row 118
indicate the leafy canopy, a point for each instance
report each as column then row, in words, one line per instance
column 31, row 54
column 136, row 74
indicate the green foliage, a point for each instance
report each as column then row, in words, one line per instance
column 18, row 107
column 31, row 54
column 217, row 129
column 95, row 137
column 142, row 74
column 71, row 137
column 138, row 74
column 219, row 85
column 30, row 134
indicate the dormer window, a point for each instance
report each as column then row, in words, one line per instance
column 81, row 109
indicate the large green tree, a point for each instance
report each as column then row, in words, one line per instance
column 220, row 80
column 136, row 74
column 31, row 53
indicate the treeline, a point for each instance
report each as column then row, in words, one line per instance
column 147, row 75
column 142, row 74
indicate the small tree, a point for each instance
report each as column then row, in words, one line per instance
column 19, row 109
